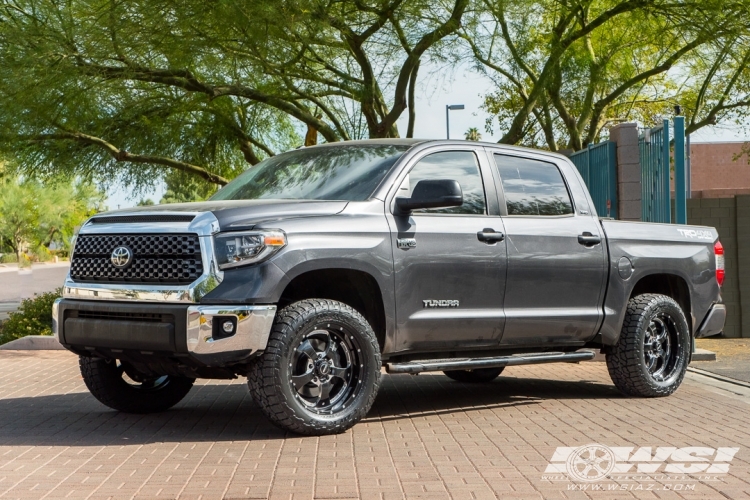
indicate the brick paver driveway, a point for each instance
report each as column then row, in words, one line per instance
column 426, row 437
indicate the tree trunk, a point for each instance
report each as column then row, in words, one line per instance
column 311, row 137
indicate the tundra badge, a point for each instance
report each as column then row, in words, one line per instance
column 440, row 303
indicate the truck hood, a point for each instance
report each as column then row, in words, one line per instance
column 244, row 214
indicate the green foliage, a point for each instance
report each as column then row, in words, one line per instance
column 121, row 91
column 145, row 202
column 564, row 72
column 128, row 91
column 183, row 188
column 34, row 317
column 473, row 134
column 34, row 215
column 8, row 258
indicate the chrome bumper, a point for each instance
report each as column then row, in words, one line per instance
column 253, row 326
column 713, row 324
column 195, row 331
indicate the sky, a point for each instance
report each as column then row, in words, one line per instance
column 457, row 86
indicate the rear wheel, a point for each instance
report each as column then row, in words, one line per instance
column 652, row 354
column 479, row 375
column 119, row 386
column 320, row 371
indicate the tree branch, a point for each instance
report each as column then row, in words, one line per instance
column 514, row 132
column 120, row 155
column 451, row 25
column 412, row 102
column 185, row 80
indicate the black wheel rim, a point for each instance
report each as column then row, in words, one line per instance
column 138, row 381
column 661, row 347
column 325, row 369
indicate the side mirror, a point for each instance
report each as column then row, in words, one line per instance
column 438, row 193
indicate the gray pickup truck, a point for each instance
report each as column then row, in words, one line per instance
column 317, row 267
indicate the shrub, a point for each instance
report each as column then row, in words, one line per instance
column 8, row 258
column 34, row 317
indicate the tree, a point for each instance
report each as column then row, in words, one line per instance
column 565, row 71
column 182, row 188
column 125, row 90
column 36, row 215
column 473, row 134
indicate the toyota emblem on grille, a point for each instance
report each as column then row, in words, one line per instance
column 121, row 257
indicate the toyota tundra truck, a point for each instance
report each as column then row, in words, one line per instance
column 318, row 267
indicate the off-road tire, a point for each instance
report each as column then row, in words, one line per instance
column 478, row 376
column 627, row 363
column 105, row 381
column 270, row 377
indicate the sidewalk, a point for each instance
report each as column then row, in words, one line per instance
column 17, row 284
column 732, row 357
column 426, row 438
column 11, row 267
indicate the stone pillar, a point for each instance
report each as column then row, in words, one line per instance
column 628, row 171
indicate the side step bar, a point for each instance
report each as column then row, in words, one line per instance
column 414, row 367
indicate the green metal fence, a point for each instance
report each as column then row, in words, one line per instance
column 598, row 167
column 654, row 146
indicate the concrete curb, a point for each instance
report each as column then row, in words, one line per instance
column 698, row 355
column 704, row 355
column 33, row 343
column 728, row 380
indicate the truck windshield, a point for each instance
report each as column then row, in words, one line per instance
column 347, row 173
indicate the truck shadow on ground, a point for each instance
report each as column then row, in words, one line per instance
column 226, row 412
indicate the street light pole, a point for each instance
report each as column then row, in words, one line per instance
column 448, row 108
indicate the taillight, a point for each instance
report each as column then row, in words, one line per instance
column 719, row 253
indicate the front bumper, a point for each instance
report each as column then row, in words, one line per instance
column 163, row 330
column 713, row 324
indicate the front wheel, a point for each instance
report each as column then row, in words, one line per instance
column 118, row 386
column 652, row 354
column 320, row 371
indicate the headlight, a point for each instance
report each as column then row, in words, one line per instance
column 247, row 247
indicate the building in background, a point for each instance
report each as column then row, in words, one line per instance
column 719, row 169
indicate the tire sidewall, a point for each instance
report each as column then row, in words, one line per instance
column 107, row 385
column 682, row 350
column 369, row 374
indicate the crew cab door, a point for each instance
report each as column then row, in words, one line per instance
column 449, row 276
column 557, row 261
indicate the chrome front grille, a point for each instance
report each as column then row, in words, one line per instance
column 157, row 258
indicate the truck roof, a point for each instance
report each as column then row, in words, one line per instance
column 414, row 142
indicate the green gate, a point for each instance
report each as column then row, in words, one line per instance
column 654, row 147
column 598, row 167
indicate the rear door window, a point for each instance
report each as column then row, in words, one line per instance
column 533, row 187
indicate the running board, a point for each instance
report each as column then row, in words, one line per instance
column 414, row 367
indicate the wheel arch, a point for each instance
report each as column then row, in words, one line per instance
column 671, row 285
column 619, row 293
column 356, row 288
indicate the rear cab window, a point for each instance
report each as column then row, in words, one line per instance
column 533, row 187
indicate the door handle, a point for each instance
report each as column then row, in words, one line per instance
column 489, row 235
column 589, row 240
